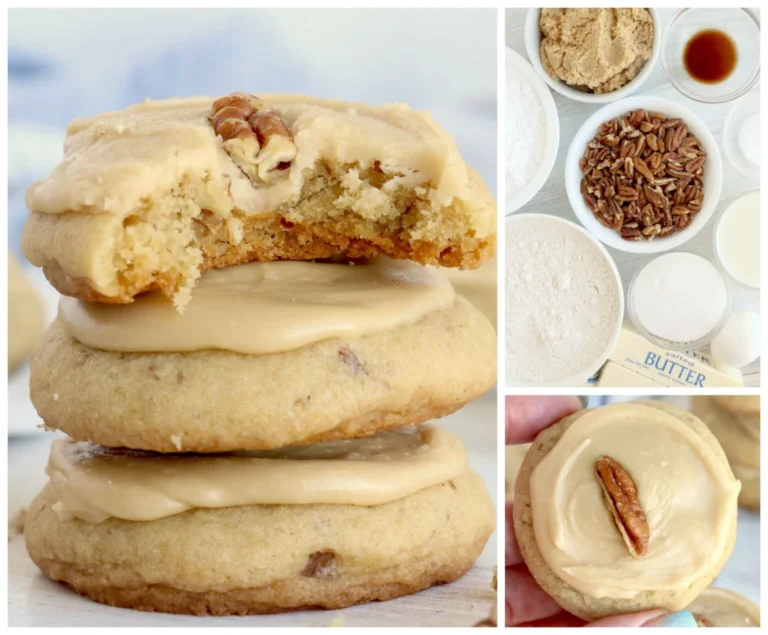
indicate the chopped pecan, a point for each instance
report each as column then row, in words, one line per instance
column 254, row 135
column 351, row 361
column 643, row 159
column 620, row 497
column 321, row 564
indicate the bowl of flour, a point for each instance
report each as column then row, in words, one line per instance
column 564, row 302
column 532, row 132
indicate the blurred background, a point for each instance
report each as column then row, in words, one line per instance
column 72, row 63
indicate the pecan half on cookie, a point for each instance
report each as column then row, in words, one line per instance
column 254, row 135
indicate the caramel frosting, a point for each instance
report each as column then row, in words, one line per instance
column 116, row 161
column 684, row 486
column 93, row 483
column 721, row 607
column 476, row 285
column 265, row 307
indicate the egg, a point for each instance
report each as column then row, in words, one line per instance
column 738, row 343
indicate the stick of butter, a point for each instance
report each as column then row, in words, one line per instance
column 615, row 375
column 670, row 368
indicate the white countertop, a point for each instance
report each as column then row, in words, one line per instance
column 552, row 198
column 34, row 600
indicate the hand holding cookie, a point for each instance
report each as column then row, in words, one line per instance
column 527, row 601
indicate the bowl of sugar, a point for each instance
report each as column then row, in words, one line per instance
column 532, row 132
column 564, row 302
column 678, row 300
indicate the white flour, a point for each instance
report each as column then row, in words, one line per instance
column 562, row 301
column 526, row 131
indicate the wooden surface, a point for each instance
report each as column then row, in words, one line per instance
column 33, row 600
column 552, row 198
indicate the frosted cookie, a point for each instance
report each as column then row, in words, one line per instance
column 148, row 197
column 268, row 354
column 735, row 421
column 477, row 285
column 716, row 607
column 606, row 501
column 739, row 404
column 242, row 557
column 26, row 315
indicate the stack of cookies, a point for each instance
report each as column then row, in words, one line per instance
column 248, row 351
column 735, row 421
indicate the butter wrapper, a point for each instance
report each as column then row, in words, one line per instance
column 689, row 369
column 614, row 375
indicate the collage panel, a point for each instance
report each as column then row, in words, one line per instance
column 632, row 335
column 631, row 511
column 252, row 309
column 632, row 178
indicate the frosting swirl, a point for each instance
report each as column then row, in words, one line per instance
column 684, row 486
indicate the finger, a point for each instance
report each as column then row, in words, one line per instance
column 512, row 554
column 561, row 619
column 526, row 601
column 527, row 416
column 631, row 620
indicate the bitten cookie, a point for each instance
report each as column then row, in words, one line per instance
column 269, row 559
column 147, row 198
column 606, row 502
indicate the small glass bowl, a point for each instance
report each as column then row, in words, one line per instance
column 743, row 119
column 741, row 25
column 739, row 282
column 670, row 344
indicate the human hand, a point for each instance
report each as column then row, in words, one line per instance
column 526, row 603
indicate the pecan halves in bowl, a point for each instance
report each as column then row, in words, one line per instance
column 643, row 175
column 620, row 497
column 254, row 135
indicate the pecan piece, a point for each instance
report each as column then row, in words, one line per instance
column 620, row 497
column 254, row 136
column 639, row 167
column 321, row 564
column 351, row 361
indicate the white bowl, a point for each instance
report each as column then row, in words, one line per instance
column 515, row 202
column 533, row 47
column 579, row 378
column 712, row 180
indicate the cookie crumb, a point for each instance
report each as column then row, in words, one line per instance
column 337, row 621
